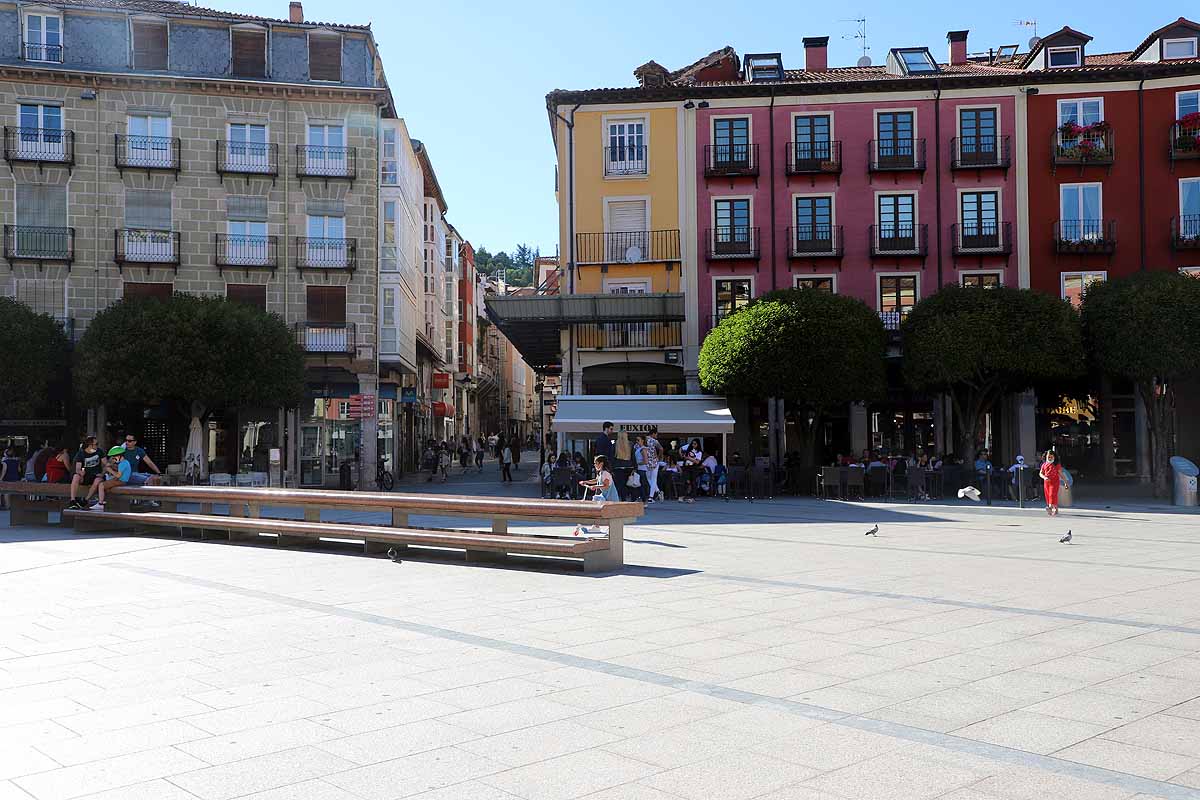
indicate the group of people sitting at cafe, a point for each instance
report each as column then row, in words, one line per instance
column 999, row 481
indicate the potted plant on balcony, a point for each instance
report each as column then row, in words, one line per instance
column 1187, row 135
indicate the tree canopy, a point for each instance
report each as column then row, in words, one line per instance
column 33, row 360
column 806, row 346
column 1144, row 328
column 517, row 269
column 189, row 349
column 977, row 344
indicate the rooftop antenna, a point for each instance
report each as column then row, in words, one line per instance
column 1029, row 23
column 860, row 34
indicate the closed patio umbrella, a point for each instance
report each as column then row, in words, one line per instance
column 194, row 461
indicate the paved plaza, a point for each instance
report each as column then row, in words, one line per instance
column 766, row 650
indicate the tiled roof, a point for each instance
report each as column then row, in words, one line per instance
column 1149, row 40
column 180, row 9
column 686, row 75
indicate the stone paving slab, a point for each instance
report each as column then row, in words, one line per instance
column 765, row 651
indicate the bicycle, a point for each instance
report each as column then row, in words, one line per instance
column 384, row 480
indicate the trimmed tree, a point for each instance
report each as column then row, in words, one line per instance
column 189, row 350
column 33, row 361
column 1144, row 328
column 816, row 350
column 977, row 344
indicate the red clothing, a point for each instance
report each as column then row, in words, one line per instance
column 56, row 471
column 1051, row 479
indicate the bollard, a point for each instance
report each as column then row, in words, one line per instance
column 1021, row 487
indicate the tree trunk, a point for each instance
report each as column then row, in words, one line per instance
column 1160, row 424
column 966, row 413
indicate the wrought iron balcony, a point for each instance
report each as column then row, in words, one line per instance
column 813, row 158
column 320, row 161
column 1185, row 141
column 624, row 161
column 147, row 152
column 1090, row 146
column 145, row 246
column 981, row 238
column 326, row 253
column 1185, row 232
column 815, row 241
column 893, row 319
column 40, row 145
column 898, row 240
column 328, row 338
column 626, row 247
column 896, row 155
column 732, row 242
column 730, row 160
column 246, row 252
column 629, row 336
column 1085, row 236
column 980, row 152
column 247, row 158
column 52, row 53
column 40, row 244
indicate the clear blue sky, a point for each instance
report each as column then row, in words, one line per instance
column 470, row 78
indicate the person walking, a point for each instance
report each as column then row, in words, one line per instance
column 515, row 444
column 1051, row 472
column 654, row 456
column 506, row 461
column 478, row 446
column 640, row 454
column 605, row 444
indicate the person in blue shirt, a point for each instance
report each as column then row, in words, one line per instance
column 118, row 471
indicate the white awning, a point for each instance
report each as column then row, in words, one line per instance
column 681, row 413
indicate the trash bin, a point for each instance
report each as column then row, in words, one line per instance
column 1184, row 485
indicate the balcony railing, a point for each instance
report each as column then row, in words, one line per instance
column 321, row 337
column 730, row 160
column 815, row 241
column 813, row 158
column 980, row 152
column 326, row 253
column 627, row 247
column 1185, row 232
column 246, row 252
column 42, row 145
column 892, row 319
column 146, row 246
column 52, row 53
column 1085, row 236
column 320, row 161
column 1185, row 141
column 34, row 243
column 1088, row 147
column 981, row 238
column 147, row 152
column 624, row 160
column 629, row 336
column 253, row 158
column 896, row 155
column 732, row 242
column 898, row 240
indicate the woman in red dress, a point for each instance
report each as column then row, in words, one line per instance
column 1051, row 472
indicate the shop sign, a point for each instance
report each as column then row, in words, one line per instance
column 441, row 380
column 408, row 394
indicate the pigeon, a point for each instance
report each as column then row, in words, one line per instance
column 393, row 555
column 969, row 492
column 1066, row 539
column 874, row 531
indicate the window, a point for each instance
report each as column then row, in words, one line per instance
column 246, row 241
column 731, row 142
column 149, row 44
column 625, row 153
column 1081, row 215
column 897, row 222
column 324, row 56
column 387, row 254
column 813, row 138
column 1178, row 48
column 154, row 291
column 43, row 38
column 1186, row 103
column 41, row 216
column 41, row 132
column 985, row 280
column 814, row 225
column 730, row 294
column 917, row 60
column 249, row 49
column 1074, row 284
column 1083, row 112
column 764, row 67
column 628, row 236
column 326, row 244
column 1064, row 56
column 821, row 284
column 977, row 136
column 248, row 149
column 897, row 294
column 148, row 142
column 731, row 232
column 978, row 215
column 326, row 151
column 247, row 294
column 325, row 305
column 388, row 169
column 147, row 231
column 389, row 333
column 894, row 144
column 1189, row 209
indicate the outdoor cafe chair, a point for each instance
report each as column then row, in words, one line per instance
column 856, row 483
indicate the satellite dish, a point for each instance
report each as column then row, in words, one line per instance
column 633, row 253
column 1034, row 41
column 864, row 61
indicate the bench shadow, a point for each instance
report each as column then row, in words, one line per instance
column 656, row 543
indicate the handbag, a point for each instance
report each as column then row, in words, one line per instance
column 634, row 481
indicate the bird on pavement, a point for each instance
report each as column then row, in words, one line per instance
column 873, row 532
column 1066, row 539
column 393, row 555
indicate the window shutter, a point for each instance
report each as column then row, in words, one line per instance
column 324, row 57
column 150, row 45
column 147, row 208
column 248, row 294
column 160, row 291
column 246, row 208
column 41, row 206
column 317, row 207
column 249, row 54
column 627, row 215
column 327, row 305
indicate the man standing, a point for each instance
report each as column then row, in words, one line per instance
column 88, row 467
column 605, row 445
column 136, row 458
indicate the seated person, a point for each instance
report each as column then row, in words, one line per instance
column 116, row 473
column 58, row 466
column 137, row 459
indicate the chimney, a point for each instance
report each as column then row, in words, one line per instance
column 958, row 46
column 816, row 53
column 295, row 12
column 651, row 74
